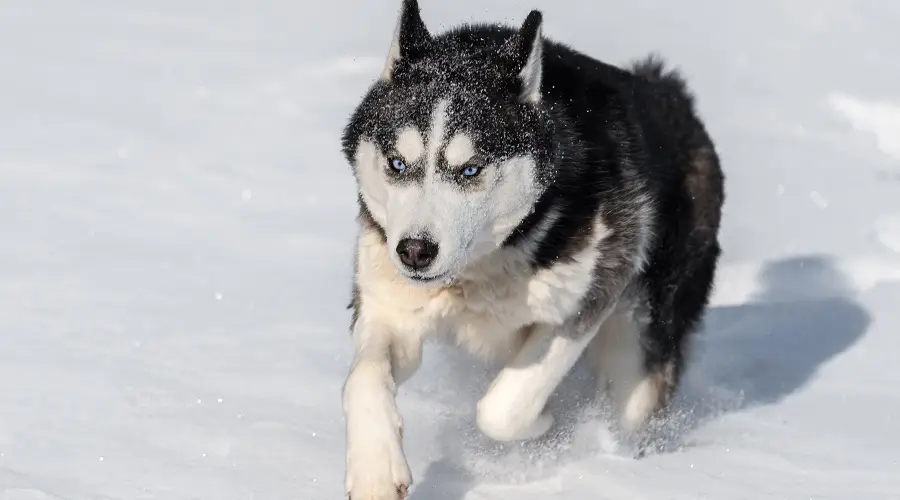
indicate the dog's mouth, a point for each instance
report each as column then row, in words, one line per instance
column 423, row 280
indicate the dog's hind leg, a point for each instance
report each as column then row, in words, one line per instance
column 619, row 359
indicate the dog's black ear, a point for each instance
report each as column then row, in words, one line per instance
column 524, row 51
column 411, row 37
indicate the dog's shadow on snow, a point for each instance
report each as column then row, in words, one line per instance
column 761, row 352
column 747, row 355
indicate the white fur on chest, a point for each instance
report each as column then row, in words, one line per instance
column 486, row 311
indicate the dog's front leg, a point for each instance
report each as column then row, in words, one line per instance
column 376, row 466
column 513, row 407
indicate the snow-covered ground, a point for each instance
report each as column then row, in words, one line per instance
column 176, row 225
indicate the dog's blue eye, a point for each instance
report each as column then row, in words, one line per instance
column 471, row 171
column 398, row 165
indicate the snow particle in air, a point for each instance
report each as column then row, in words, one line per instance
column 818, row 199
column 246, row 195
column 124, row 151
column 888, row 232
column 219, row 296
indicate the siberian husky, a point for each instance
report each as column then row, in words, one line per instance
column 530, row 204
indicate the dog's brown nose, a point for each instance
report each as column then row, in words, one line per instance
column 416, row 253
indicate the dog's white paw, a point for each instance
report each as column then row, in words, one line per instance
column 377, row 469
column 500, row 420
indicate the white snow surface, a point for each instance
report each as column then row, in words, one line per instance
column 177, row 227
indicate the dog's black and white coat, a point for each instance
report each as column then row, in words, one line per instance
column 532, row 205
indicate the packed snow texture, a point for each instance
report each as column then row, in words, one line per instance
column 177, row 240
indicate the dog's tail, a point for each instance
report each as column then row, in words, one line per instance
column 653, row 69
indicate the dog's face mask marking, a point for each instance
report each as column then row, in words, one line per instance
column 451, row 147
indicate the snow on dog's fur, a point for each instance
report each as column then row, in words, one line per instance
column 532, row 205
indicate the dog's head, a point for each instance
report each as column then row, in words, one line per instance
column 451, row 147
